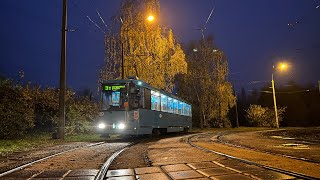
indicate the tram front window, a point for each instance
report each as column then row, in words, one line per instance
column 113, row 97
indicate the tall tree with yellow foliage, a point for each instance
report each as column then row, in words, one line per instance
column 149, row 50
column 206, row 86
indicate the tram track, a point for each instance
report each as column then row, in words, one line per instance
column 263, row 151
column 283, row 171
column 20, row 167
column 105, row 167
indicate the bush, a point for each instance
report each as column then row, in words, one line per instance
column 16, row 110
column 263, row 116
column 80, row 111
column 37, row 109
column 46, row 104
column 80, row 114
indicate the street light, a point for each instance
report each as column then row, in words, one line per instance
column 150, row 18
column 282, row 66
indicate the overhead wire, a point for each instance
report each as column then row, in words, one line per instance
column 289, row 92
column 86, row 16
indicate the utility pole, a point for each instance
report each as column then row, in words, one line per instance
column 62, row 92
column 275, row 101
column 319, row 85
column 122, row 61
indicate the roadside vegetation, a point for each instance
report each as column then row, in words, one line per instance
column 31, row 109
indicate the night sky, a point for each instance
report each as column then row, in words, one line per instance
column 252, row 33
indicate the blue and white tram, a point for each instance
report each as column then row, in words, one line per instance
column 133, row 107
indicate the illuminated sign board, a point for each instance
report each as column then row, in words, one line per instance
column 113, row 88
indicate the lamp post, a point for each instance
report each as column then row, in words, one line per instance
column 282, row 67
column 150, row 18
column 274, row 99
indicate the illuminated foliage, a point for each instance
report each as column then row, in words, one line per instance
column 263, row 116
column 206, row 86
column 150, row 51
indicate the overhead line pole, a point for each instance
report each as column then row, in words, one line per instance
column 274, row 99
column 62, row 92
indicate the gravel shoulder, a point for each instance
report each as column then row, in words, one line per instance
column 84, row 158
column 13, row 160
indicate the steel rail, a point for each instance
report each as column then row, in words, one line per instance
column 291, row 173
column 103, row 170
column 263, row 151
column 45, row 158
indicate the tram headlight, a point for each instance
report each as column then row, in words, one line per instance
column 101, row 126
column 121, row 126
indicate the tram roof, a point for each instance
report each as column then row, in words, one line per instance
column 143, row 84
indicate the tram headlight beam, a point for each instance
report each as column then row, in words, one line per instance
column 101, row 126
column 121, row 126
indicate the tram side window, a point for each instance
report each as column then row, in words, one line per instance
column 180, row 105
column 183, row 111
column 164, row 103
column 186, row 110
column 175, row 106
column 170, row 105
column 189, row 110
column 155, row 100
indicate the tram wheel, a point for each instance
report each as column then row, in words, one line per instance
column 156, row 132
column 185, row 130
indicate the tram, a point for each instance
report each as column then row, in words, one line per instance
column 133, row 107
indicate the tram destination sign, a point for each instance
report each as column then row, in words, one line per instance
column 113, row 88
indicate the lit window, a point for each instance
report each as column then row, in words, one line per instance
column 180, row 107
column 175, row 106
column 170, row 105
column 164, row 103
column 155, row 101
column 115, row 100
column 183, row 108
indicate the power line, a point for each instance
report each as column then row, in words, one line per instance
column 290, row 92
column 86, row 16
column 103, row 21
column 96, row 25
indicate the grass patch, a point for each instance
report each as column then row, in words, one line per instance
column 84, row 138
column 32, row 141
column 26, row 143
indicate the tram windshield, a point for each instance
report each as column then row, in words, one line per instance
column 113, row 97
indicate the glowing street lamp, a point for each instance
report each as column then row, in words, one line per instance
column 282, row 66
column 150, row 18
